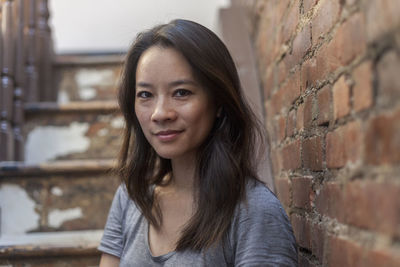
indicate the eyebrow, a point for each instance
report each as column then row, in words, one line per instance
column 171, row 84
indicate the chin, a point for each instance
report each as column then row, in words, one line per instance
column 171, row 155
column 166, row 154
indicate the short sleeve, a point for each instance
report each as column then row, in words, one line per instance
column 262, row 234
column 112, row 241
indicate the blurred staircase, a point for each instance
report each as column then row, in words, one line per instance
column 55, row 203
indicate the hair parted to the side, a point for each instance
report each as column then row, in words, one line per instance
column 227, row 159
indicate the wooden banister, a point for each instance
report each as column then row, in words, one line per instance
column 26, row 55
column 18, row 107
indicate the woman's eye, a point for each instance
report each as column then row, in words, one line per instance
column 182, row 93
column 143, row 94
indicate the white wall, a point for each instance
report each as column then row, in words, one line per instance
column 111, row 25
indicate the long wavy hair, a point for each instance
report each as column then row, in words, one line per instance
column 225, row 161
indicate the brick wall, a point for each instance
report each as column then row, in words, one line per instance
column 330, row 73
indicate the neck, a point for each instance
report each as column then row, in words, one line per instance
column 183, row 173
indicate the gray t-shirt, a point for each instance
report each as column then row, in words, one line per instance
column 260, row 235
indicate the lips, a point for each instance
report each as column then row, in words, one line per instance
column 168, row 135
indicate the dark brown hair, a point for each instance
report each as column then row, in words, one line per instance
column 225, row 161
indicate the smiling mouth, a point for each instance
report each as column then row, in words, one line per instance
column 168, row 135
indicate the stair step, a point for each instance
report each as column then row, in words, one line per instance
column 57, row 196
column 72, row 248
column 10, row 169
column 76, row 106
column 87, row 77
column 89, row 59
column 75, row 130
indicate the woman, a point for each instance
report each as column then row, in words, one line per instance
column 190, row 194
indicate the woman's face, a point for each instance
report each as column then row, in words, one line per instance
column 175, row 112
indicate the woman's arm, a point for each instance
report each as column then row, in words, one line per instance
column 108, row 260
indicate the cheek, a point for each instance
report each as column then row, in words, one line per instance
column 141, row 117
column 204, row 117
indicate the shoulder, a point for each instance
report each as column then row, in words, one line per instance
column 260, row 208
column 121, row 194
column 123, row 205
column 261, row 233
column 260, row 198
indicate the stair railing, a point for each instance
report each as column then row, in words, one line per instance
column 26, row 56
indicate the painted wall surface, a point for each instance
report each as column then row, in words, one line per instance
column 111, row 25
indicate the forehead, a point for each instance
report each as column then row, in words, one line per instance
column 162, row 64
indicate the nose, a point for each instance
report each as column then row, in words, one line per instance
column 163, row 111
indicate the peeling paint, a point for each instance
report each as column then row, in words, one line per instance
column 90, row 77
column 58, row 217
column 17, row 211
column 47, row 142
column 118, row 122
column 103, row 132
column 87, row 93
column 56, row 191
column 62, row 97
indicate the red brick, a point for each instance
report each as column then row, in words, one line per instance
column 291, row 156
column 343, row 252
column 268, row 83
column 349, row 40
column 291, row 21
column 287, row 94
column 308, row 4
column 276, row 101
column 382, row 258
column 302, row 43
column 300, row 118
column 373, row 205
column 280, row 126
column 284, row 191
column 309, row 111
column 266, row 43
column 290, row 62
column 362, row 90
column 278, row 9
column 265, row 40
column 281, row 72
column 291, row 123
column 313, row 153
column 353, row 136
column 292, row 88
column 308, row 73
column 335, row 150
column 344, row 145
column 317, row 68
column 388, row 69
column 317, row 240
column 301, row 229
column 326, row 62
column 381, row 17
column 383, row 139
column 341, row 98
column 302, row 192
column 326, row 17
column 324, row 105
column 329, row 201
